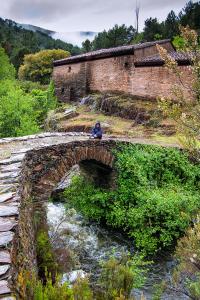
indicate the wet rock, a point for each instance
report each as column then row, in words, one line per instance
column 6, row 238
column 70, row 113
column 73, row 276
column 9, row 175
column 5, row 257
column 4, row 288
column 12, row 159
column 6, row 224
column 5, row 188
column 8, row 210
column 5, row 197
column 11, row 168
column 4, row 269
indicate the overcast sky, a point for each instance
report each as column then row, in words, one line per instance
column 85, row 15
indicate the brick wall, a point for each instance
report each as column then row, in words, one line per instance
column 117, row 74
column 70, row 81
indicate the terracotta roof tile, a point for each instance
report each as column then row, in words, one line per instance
column 102, row 53
column 180, row 57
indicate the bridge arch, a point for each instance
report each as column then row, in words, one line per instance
column 44, row 168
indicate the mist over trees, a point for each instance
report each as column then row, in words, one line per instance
column 153, row 29
column 18, row 42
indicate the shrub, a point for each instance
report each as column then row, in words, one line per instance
column 157, row 195
column 17, row 115
column 120, row 275
column 39, row 66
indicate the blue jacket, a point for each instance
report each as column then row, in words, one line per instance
column 97, row 131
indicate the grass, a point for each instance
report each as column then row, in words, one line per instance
column 116, row 126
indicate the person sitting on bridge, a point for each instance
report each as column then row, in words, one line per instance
column 97, row 131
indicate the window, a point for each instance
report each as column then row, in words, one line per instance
column 126, row 65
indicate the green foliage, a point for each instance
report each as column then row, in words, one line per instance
column 34, row 289
column 156, row 197
column 116, row 36
column 187, row 273
column 7, row 71
column 17, row 115
column 45, row 256
column 120, row 275
column 23, row 105
column 18, row 42
column 81, row 290
column 44, row 101
column 39, row 66
column 178, row 42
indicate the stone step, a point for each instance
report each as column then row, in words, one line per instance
column 4, row 287
column 12, row 159
column 11, row 168
column 6, row 188
column 7, row 224
column 9, row 175
column 4, row 269
column 6, row 196
column 8, row 210
column 9, row 180
column 6, row 238
column 5, row 257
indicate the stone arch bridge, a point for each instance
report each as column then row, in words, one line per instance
column 30, row 168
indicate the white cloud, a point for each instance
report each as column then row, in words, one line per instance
column 80, row 15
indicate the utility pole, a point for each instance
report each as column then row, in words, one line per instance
column 137, row 13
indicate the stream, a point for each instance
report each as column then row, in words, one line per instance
column 90, row 243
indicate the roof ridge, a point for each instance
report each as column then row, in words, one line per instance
column 107, row 52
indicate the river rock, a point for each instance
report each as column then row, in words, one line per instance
column 9, row 175
column 12, row 159
column 8, row 210
column 73, row 276
column 6, row 196
column 6, row 238
column 4, row 288
column 4, row 269
column 5, row 257
column 6, row 224
column 11, row 168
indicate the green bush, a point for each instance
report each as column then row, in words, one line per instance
column 17, row 115
column 120, row 275
column 23, row 108
column 157, row 195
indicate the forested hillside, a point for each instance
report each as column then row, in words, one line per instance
column 18, row 41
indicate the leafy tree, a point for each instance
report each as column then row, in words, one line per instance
column 87, row 46
column 190, row 15
column 116, row 36
column 7, row 71
column 23, row 106
column 17, row 115
column 39, row 66
column 171, row 25
column 18, row 41
column 156, row 197
column 152, row 28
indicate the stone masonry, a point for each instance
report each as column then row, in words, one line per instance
column 30, row 168
column 135, row 70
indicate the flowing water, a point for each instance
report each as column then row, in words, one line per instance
column 90, row 243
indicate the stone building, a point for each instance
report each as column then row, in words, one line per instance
column 135, row 70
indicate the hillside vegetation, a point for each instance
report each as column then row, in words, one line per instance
column 18, row 41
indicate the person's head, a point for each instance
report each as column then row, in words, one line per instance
column 97, row 125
